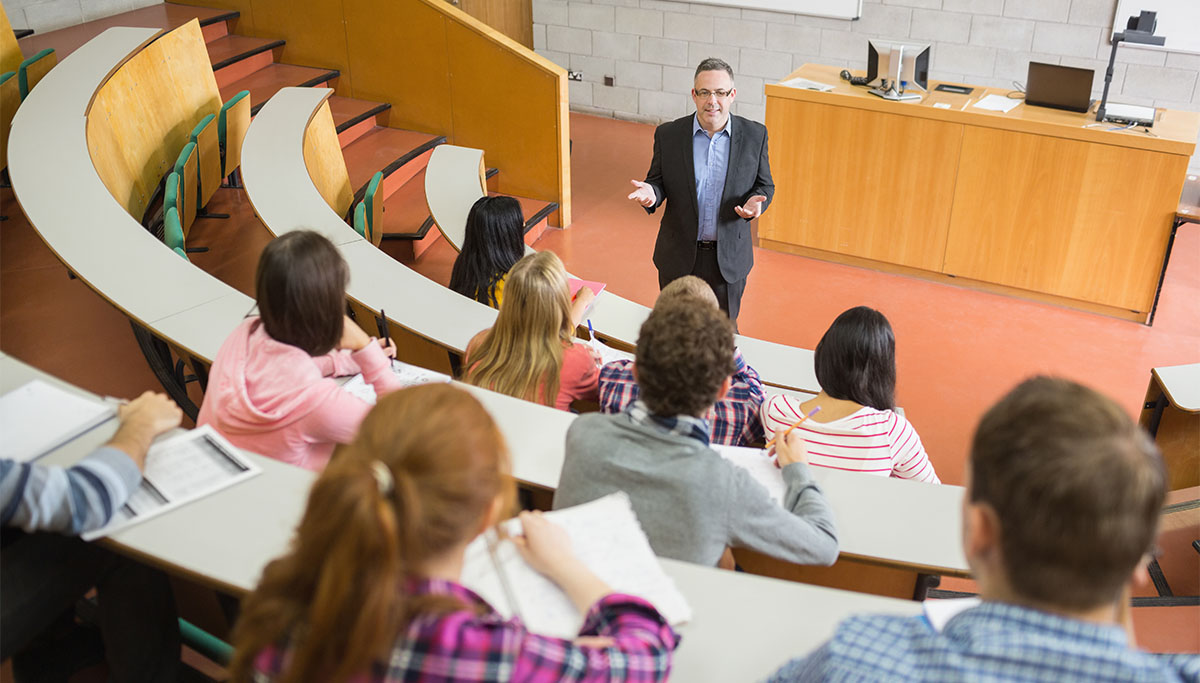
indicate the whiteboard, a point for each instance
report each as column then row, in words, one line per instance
column 1178, row 22
column 837, row 9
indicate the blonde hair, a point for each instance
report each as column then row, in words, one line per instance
column 687, row 286
column 522, row 354
column 419, row 478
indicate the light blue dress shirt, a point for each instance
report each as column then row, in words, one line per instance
column 710, row 159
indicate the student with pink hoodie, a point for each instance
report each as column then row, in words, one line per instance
column 270, row 389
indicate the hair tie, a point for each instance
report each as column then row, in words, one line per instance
column 383, row 478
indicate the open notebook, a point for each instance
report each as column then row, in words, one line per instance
column 179, row 470
column 606, row 537
column 37, row 417
column 410, row 376
column 761, row 467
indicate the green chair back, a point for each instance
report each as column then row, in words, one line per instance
column 360, row 219
column 32, row 70
column 205, row 643
column 173, row 230
column 171, row 194
column 182, row 253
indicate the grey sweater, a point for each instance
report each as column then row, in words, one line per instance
column 691, row 502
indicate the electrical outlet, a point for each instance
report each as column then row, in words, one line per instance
column 574, row 75
column 608, row 80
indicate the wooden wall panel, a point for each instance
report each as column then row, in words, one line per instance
column 398, row 54
column 828, row 158
column 142, row 116
column 10, row 50
column 513, row 18
column 517, row 115
column 326, row 165
column 313, row 31
column 1075, row 219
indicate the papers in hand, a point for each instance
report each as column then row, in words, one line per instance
column 806, row 84
column 760, row 467
column 179, row 470
column 37, row 417
column 606, row 537
column 410, row 376
column 996, row 103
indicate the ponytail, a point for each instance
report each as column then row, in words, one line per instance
column 416, row 482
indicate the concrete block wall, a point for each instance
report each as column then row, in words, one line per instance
column 650, row 47
column 49, row 15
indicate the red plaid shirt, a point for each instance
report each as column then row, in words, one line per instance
column 733, row 421
column 463, row 646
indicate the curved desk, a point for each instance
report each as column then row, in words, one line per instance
column 743, row 626
column 1171, row 413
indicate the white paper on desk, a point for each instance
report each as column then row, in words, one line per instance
column 179, row 470
column 37, row 417
column 806, row 84
column 939, row 612
column 607, row 538
column 607, row 353
column 409, row 375
column 996, row 103
column 760, row 467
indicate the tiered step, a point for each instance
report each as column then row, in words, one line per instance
column 165, row 16
column 389, row 150
column 232, row 48
column 353, row 118
column 267, row 81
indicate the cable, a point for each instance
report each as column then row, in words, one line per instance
column 854, row 80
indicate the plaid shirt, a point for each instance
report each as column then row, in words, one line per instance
column 992, row 642
column 734, row 419
column 464, row 646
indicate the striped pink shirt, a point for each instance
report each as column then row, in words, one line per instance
column 874, row 441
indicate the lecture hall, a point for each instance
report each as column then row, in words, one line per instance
column 549, row 340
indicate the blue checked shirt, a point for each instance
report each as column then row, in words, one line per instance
column 710, row 159
column 734, row 420
column 992, row 642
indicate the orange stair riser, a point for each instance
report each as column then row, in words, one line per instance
column 404, row 174
column 241, row 69
column 215, row 30
column 356, row 131
column 419, row 246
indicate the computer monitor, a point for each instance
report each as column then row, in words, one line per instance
column 893, row 68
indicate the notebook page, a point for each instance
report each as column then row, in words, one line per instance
column 760, row 467
column 37, row 417
column 606, row 537
column 939, row 612
column 409, row 375
column 179, row 470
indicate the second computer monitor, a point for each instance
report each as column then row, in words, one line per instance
column 897, row 66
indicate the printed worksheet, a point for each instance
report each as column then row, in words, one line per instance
column 410, row 376
column 37, row 417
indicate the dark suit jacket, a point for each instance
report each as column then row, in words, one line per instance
column 673, row 177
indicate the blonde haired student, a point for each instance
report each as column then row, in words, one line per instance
column 530, row 352
column 369, row 589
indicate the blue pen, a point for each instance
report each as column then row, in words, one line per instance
column 591, row 332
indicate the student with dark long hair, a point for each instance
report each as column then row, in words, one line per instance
column 370, row 592
column 857, row 428
column 270, row 388
column 492, row 244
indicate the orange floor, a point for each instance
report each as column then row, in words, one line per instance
column 958, row 350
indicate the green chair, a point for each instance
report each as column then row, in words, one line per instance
column 173, row 234
column 171, row 194
column 360, row 219
column 32, row 70
column 208, row 164
column 205, row 643
column 374, row 204
column 189, row 180
column 232, row 123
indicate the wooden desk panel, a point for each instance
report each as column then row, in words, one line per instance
column 839, row 155
column 1071, row 218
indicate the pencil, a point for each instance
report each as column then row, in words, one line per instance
column 789, row 429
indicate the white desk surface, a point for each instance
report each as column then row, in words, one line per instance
column 743, row 627
column 1181, row 383
column 67, row 203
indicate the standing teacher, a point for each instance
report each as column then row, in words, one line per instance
column 713, row 171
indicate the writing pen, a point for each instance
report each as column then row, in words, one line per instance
column 789, row 429
column 591, row 332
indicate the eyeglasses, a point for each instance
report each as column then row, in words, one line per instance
column 705, row 94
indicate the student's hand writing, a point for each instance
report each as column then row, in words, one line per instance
column 545, row 545
column 579, row 305
column 389, row 347
column 643, row 193
column 142, row 419
column 789, row 449
column 752, row 208
column 353, row 337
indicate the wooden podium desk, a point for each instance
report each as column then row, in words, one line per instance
column 1032, row 203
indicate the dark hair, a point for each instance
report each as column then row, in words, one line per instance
column 856, row 359
column 301, row 290
column 684, row 352
column 714, row 64
column 1077, row 487
column 492, row 243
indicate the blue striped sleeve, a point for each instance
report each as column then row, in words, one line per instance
column 66, row 500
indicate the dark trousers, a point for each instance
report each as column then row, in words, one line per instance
column 729, row 294
column 43, row 575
